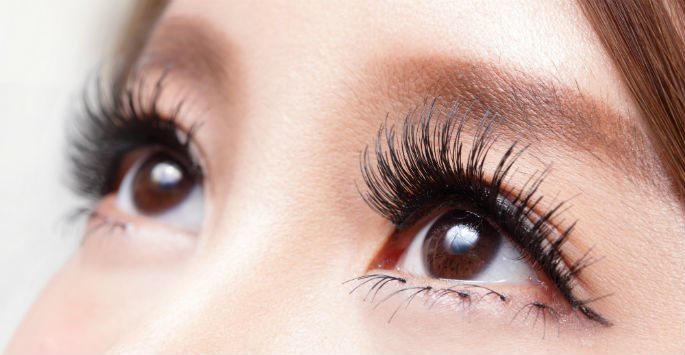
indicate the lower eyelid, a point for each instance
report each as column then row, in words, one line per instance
column 113, row 238
column 392, row 294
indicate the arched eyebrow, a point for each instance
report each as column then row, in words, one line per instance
column 144, row 16
column 532, row 109
column 187, row 47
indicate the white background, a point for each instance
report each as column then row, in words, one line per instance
column 47, row 50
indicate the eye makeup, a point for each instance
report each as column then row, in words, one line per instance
column 117, row 123
column 414, row 170
column 423, row 166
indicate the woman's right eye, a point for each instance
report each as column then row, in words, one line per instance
column 164, row 186
column 465, row 246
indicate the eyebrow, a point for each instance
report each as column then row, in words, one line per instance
column 528, row 108
column 144, row 16
column 184, row 47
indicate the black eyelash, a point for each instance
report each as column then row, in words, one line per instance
column 464, row 294
column 423, row 168
column 117, row 121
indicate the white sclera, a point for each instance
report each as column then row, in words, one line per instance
column 506, row 266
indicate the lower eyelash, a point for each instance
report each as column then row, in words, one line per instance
column 464, row 296
column 104, row 221
column 101, row 221
column 540, row 308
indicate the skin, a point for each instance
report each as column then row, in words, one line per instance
column 288, row 95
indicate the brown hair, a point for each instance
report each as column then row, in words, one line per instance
column 646, row 40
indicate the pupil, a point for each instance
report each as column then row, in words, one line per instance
column 160, row 184
column 459, row 244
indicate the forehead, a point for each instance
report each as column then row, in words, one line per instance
column 549, row 39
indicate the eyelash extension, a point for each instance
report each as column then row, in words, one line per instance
column 118, row 121
column 422, row 167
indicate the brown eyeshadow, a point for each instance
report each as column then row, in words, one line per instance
column 528, row 109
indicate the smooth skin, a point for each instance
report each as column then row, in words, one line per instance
column 300, row 90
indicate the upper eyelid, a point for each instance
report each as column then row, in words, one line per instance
column 538, row 108
column 117, row 119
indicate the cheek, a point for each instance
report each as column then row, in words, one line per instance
column 84, row 310
column 105, row 290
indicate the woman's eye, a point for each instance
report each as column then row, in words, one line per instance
column 162, row 186
column 462, row 245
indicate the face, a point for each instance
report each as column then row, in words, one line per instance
column 368, row 177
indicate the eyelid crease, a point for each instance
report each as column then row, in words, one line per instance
column 425, row 165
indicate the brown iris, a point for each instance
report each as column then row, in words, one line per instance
column 160, row 184
column 459, row 244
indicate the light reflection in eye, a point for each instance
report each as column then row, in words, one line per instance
column 460, row 239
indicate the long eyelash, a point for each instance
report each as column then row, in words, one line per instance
column 117, row 121
column 422, row 167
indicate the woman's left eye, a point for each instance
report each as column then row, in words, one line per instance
column 162, row 186
column 459, row 245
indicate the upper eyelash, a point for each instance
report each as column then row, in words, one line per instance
column 424, row 168
column 116, row 120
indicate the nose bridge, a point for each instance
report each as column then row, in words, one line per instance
column 275, row 299
column 266, row 276
column 280, row 239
